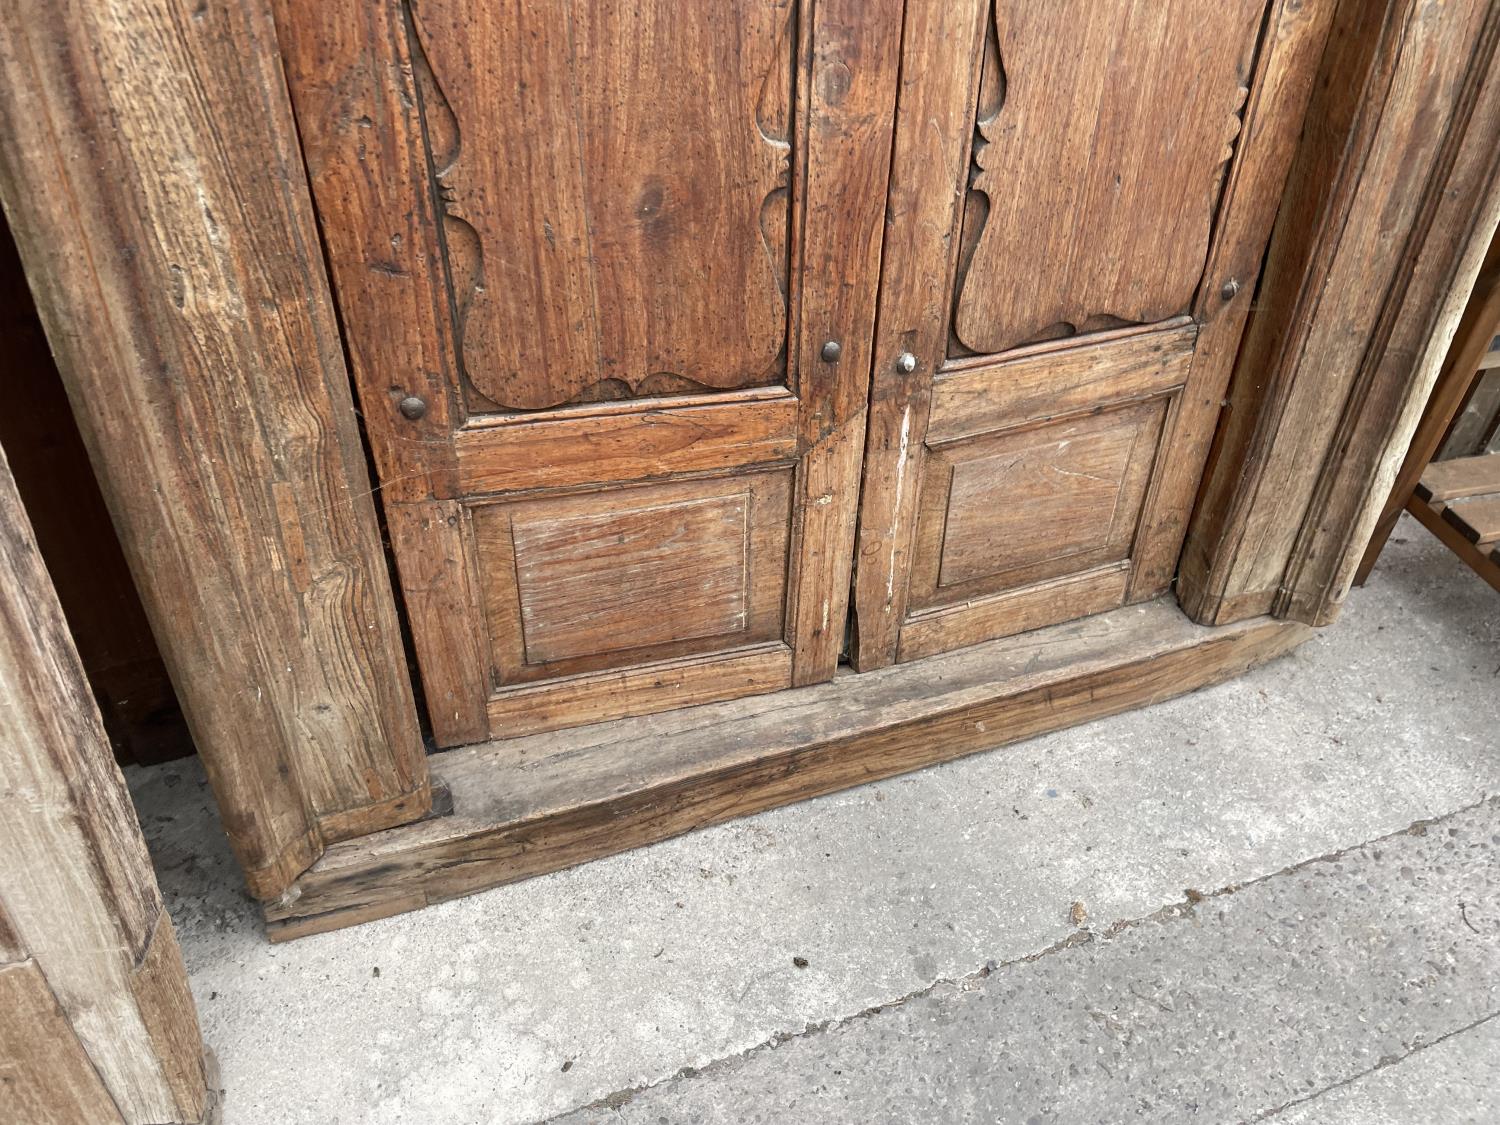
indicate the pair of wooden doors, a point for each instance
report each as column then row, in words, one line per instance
column 662, row 315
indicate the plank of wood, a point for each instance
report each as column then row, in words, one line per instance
column 611, row 578
column 157, row 199
column 672, row 277
column 1476, row 518
column 46, row 1077
column 1286, row 70
column 1462, row 476
column 531, row 805
column 1008, row 612
column 1049, row 382
column 596, row 697
column 855, row 50
column 1010, row 509
column 77, row 893
column 577, row 447
column 1390, row 188
column 934, row 131
column 1106, row 130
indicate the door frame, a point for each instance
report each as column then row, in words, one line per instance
column 119, row 318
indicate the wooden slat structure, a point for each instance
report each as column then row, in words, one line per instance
column 1459, row 502
column 160, row 205
column 97, row 1025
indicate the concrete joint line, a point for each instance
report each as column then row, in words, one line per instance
column 1175, row 911
column 1383, row 1064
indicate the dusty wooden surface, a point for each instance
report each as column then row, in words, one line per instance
column 152, row 179
column 1388, row 211
column 96, row 1021
column 530, row 805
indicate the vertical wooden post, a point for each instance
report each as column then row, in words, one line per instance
column 149, row 168
column 1390, row 206
column 96, row 1020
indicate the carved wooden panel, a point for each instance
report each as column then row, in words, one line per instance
column 620, row 577
column 1004, row 510
column 615, row 186
column 1102, row 133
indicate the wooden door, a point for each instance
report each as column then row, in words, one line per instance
column 1080, row 198
column 607, row 275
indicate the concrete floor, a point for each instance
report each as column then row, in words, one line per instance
column 1292, row 912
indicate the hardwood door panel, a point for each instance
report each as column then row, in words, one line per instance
column 605, row 242
column 1091, row 250
column 1010, row 509
column 590, row 259
column 1103, row 133
column 581, row 582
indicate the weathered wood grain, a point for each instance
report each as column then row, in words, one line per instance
column 152, row 180
column 46, row 1077
column 1104, row 129
column 940, row 56
column 78, row 899
column 594, row 258
column 531, row 805
column 1045, row 382
column 1378, row 224
column 581, row 447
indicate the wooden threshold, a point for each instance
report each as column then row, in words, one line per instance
column 540, row 803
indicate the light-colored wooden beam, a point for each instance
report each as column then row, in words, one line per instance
column 96, row 1020
column 150, row 172
column 1389, row 208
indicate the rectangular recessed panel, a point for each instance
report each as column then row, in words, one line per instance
column 613, row 580
column 1005, row 510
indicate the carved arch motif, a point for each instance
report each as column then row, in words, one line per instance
column 1102, row 135
column 615, row 197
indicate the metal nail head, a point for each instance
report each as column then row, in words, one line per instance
column 1231, row 290
column 906, row 363
column 412, row 407
column 831, row 351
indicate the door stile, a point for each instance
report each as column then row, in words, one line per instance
column 350, row 74
column 1291, row 47
column 934, row 134
column 855, row 47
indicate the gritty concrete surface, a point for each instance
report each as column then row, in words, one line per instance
column 1225, row 1009
column 945, row 900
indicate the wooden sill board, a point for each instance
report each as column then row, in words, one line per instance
column 531, row 805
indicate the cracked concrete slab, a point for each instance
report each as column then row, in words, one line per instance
column 531, row 1000
column 1227, row 1007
